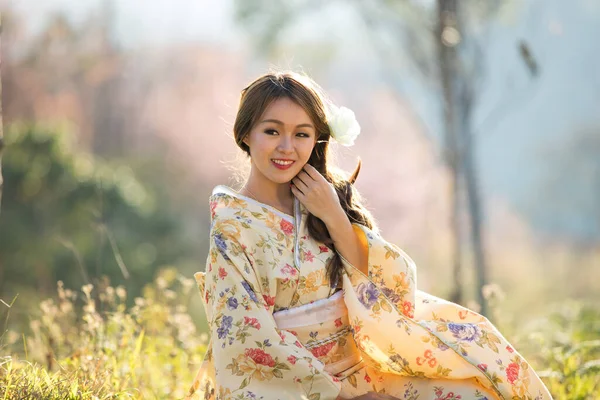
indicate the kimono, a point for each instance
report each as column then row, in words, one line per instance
column 280, row 331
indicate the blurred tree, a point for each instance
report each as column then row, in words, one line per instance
column 73, row 73
column 69, row 216
column 1, row 124
column 570, row 187
column 445, row 41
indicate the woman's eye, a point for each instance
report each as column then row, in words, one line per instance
column 274, row 132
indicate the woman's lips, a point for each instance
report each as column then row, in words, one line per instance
column 282, row 166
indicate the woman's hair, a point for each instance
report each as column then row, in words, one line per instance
column 255, row 99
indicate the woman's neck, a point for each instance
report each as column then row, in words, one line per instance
column 278, row 195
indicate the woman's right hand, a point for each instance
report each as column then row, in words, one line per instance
column 371, row 396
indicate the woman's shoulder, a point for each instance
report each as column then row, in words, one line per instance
column 223, row 192
column 224, row 202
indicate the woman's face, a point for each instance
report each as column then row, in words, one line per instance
column 281, row 142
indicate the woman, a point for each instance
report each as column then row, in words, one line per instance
column 305, row 300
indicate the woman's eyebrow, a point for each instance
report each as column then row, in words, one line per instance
column 278, row 122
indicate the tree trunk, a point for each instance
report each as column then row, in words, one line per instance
column 1, row 123
column 458, row 98
column 1, row 144
column 447, row 62
column 473, row 198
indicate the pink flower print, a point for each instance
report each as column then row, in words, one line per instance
column 510, row 349
column 292, row 360
column 367, row 378
column 222, row 273
column 253, row 322
column 322, row 350
column 213, row 206
column 294, row 333
column 338, row 322
column 308, row 256
column 408, row 309
column 512, row 372
column 270, row 300
column 260, row 357
column 289, row 270
column 482, row 367
column 427, row 358
column 323, row 249
column 287, row 227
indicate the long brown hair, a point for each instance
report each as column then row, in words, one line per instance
column 255, row 98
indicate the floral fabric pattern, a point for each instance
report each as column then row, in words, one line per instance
column 393, row 338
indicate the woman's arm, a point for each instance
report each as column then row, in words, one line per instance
column 346, row 240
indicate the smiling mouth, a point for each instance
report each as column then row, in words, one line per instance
column 282, row 164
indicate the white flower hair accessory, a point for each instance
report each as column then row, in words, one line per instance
column 343, row 124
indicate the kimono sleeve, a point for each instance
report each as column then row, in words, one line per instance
column 398, row 284
column 252, row 357
column 403, row 331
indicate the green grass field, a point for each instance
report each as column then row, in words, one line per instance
column 92, row 345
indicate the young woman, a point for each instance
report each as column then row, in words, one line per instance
column 304, row 298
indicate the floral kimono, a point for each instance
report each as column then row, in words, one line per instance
column 279, row 331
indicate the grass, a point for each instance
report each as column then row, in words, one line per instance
column 92, row 345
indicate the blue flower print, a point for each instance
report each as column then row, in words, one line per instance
column 221, row 245
column 246, row 286
column 223, row 330
column 368, row 294
column 465, row 332
column 232, row 303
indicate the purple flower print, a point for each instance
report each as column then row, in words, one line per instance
column 221, row 246
column 465, row 332
column 223, row 330
column 368, row 294
column 232, row 303
column 390, row 294
column 442, row 346
column 397, row 359
column 248, row 288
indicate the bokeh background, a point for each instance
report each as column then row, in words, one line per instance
column 480, row 146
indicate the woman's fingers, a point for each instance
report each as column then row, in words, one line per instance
column 299, row 183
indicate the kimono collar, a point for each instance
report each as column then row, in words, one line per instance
column 296, row 219
column 222, row 189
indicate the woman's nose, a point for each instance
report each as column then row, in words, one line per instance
column 286, row 144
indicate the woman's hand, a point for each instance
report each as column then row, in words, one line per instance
column 371, row 396
column 316, row 193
